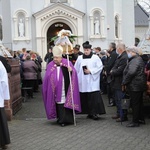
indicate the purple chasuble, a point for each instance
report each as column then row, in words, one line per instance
column 52, row 89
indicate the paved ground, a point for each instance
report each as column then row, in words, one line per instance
column 30, row 130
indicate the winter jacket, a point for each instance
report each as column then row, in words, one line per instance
column 134, row 77
column 111, row 61
column 29, row 70
column 117, row 70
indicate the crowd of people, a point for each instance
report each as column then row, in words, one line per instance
column 120, row 72
column 76, row 86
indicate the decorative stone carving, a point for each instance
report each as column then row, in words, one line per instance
column 97, row 21
column 58, row 12
column 21, row 26
column 96, row 26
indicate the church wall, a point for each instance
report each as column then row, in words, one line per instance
column 0, row 8
column 140, row 32
column 110, row 21
column 29, row 7
column 0, row 18
column 7, row 41
column 122, row 7
column 102, row 42
column 128, row 27
column 81, row 6
column 38, row 7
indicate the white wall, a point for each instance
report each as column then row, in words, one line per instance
column 140, row 32
column 128, row 27
column 7, row 40
column 30, row 6
column 110, row 7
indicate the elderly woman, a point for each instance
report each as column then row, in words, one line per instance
column 29, row 74
column 135, row 81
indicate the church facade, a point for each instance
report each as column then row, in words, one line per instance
column 31, row 23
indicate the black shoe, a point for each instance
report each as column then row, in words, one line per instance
column 3, row 147
column 121, row 120
column 142, row 122
column 111, row 105
column 95, row 117
column 132, row 124
column 63, row 124
column 115, row 117
column 89, row 116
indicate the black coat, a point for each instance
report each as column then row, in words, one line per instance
column 48, row 57
column 111, row 61
column 134, row 77
column 117, row 70
column 104, row 60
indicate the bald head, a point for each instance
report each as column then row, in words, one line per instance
column 120, row 48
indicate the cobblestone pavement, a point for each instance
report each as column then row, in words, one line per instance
column 30, row 130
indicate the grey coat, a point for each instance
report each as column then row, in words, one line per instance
column 29, row 70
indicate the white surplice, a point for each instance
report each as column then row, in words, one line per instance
column 63, row 99
column 4, row 87
column 90, row 82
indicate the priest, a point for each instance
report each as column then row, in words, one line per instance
column 89, row 67
column 57, row 90
column 4, row 95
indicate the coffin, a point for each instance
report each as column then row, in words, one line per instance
column 15, row 103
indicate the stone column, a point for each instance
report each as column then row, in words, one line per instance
column 119, row 30
column 15, row 27
column 102, row 26
column 92, row 25
column 27, row 27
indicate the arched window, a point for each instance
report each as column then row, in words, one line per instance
column 97, row 23
column 116, row 27
column 1, row 30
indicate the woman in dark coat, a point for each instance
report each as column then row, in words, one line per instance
column 29, row 74
column 135, row 81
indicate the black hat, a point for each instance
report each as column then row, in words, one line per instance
column 77, row 46
column 86, row 45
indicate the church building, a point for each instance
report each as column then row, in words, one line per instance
column 32, row 23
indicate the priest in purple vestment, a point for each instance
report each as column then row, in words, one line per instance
column 57, row 92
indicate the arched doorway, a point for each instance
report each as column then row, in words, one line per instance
column 53, row 31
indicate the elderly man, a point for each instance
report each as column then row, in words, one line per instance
column 57, row 90
column 117, row 73
column 135, row 81
column 4, row 95
column 109, row 65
